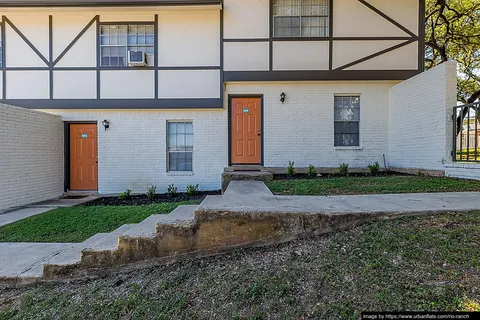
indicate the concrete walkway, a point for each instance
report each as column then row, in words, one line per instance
column 38, row 208
column 254, row 196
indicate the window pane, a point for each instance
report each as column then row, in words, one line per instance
column 189, row 140
column 172, row 161
column 180, row 140
column 180, row 127
column 172, row 127
column 347, row 140
column 189, row 127
column 188, row 161
column 287, row 26
column 347, row 108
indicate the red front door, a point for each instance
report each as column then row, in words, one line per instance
column 246, row 129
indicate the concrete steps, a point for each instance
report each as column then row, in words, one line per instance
column 106, row 248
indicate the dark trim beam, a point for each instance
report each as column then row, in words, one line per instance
column 50, row 53
column 376, row 54
column 71, row 44
column 386, row 17
column 315, row 75
column 39, row 54
column 4, row 67
column 213, row 103
column 105, row 3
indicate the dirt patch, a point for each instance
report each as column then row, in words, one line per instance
column 143, row 200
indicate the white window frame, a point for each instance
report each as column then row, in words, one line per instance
column 127, row 46
column 360, row 116
column 327, row 28
column 168, row 151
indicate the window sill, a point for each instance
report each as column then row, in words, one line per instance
column 180, row 173
column 348, row 148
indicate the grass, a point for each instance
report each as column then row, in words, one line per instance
column 76, row 224
column 428, row 263
column 371, row 185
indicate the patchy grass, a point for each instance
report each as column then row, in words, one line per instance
column 76, row 224
column 417, row 264
column 371, row 185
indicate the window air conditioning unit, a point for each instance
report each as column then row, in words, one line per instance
column 137, row 59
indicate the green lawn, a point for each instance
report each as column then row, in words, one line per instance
column 371, row 185
column 423, row 263
column 76, row 224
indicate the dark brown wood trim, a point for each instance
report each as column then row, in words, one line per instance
column 315, row 75
column 37, row 52
column 71, row 44
column 4, row 67
column 376, row 54
column 106, row 3
column 386, row 17
column 421, row 36
column 330, row 36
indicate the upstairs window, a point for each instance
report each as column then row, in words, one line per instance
column 347, row 121
column 117, row 40
column 300, row 18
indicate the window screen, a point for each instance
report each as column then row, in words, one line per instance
column 301, row 18
column 180, row 146
column 347, row 121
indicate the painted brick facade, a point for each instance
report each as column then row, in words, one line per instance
column 31, row 156
column 302, row 129
column 132, row 153
column 420, row 119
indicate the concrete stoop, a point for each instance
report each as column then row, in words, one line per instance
column 245, row 173
column 248, row 214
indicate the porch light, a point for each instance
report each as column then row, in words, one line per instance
column 106, row 124
column 282, row 97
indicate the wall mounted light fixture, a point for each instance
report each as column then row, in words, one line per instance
column 282, row 97
column 106, row 124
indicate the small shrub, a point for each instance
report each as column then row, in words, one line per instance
column 312, row 171
column 291, row 169
column 192, row 190
column 125, row 195
column 151, row 192
column 172, row 190
column 343, row 169
column 374, row 168
column 421, row 174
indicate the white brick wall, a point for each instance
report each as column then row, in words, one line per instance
column 302, row 129
column 132, row 152
column 31, row 156
column 420, row 119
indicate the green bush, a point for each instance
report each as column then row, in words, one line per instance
column 151, row 192
column 172, row 190
column 291, row 169
column 312, row 171
column 374, row 168
column 192, row 190
column 343, row 169
column 125, row 195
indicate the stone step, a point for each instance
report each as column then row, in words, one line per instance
column 147, row 228
column 229, row 176
column 73, row 255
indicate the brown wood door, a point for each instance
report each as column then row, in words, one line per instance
column 83, row 157
column 246, row 147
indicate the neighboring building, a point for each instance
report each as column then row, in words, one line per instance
column 189, row 87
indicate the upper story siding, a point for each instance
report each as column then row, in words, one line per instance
column 52, row 57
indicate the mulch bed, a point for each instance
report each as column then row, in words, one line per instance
column 143, row 200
